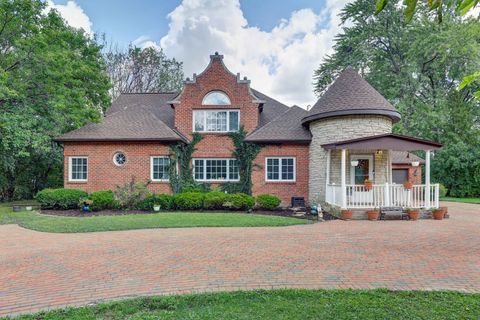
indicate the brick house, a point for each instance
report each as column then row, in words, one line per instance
column 304, row 153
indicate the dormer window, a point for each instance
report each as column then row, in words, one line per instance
column 216, row 98
column 216, row 120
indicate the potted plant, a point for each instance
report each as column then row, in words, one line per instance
column 413, row 213
column 438, row 213
column 368, row 184
column 346, row 214
column 86, row 203
column 408, row 185
column 156, row 207
column 373, row 214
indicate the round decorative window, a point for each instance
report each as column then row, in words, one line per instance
column 119, row 158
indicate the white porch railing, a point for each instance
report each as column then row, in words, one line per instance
column 383, row 195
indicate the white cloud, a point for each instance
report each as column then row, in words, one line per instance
column 73, row 14
column 279, row 62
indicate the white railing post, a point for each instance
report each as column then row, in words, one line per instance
column 427, row 179
column 437, row 195
column 343, row 180
column 387, row 195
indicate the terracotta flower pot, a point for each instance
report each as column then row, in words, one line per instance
column 346, row 214
column 373, row 214
column 413, row 214
column 368, row 184
column 408, row 185
column 438, row 214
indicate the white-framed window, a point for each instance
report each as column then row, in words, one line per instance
column 159, row 168
column 78, row 168
column 216, row 120
column 216, row 169
column 280, row 169
column 216, row 98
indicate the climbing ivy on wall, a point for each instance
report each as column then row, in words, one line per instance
column 245, row 153
column 181, row 155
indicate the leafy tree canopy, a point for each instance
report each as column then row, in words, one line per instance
column 418, row 67
column 52, row 80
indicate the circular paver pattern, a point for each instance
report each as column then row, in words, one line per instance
column 46, row 270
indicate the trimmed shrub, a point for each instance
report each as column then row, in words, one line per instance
column 60, row 198
column 164, row 200
column 267, row 201
column 240, row 201
column 442, row 190
column 215, row 200
column 189, row 200
column 131, row 194
column 102, row 200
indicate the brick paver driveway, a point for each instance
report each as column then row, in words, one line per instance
column 44, row 270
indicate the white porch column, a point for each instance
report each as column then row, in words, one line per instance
column 343, row 179
column 327, row 174
column 427, row 179
column 390, row 178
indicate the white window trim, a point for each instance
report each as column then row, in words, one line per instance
column 151, row 169
column 195, row 111
column 205, row 170
column 70, row 179
column 280, row 170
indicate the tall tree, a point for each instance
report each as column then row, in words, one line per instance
column 52, row 80
column 147, row 70
column 418, row 66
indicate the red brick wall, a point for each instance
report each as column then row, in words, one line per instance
column 284, row 190
column 215, row 77
column 104, row 174
column 412, row 177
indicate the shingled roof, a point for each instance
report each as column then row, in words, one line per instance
column 350, row 94
column 149, row 116
column 403, row 157
column 286, row 127
column 131, row 117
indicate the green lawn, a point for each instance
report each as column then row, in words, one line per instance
column 36, row 221
column 284, row 304
column 466, row 200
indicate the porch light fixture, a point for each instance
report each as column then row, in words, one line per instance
column 379, row 152
column 415, row 163
column 354, row 163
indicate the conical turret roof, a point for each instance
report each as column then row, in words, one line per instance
column 350, row 94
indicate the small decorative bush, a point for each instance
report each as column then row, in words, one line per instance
column 189, row 200
column 215, row 200
column 164, row 200
column 240, row 201
column 131, row 194
column 60, row 198
column 442, row 191
column 102, row 200
column 267, row 201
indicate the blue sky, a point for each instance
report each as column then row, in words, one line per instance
column 276, row 44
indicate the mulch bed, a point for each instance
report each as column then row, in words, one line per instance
column 78, row 213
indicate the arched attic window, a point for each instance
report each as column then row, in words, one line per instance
column 216, row 98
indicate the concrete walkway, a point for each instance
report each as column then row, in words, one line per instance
column 45, row 270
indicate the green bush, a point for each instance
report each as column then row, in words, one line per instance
column 189, row 200
column 164, row 200
column 215, row 200
column 267, row 201
column 131, row 194
column 240, row 201
column 60, row 198
column 102, row 200
column 442, row 191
